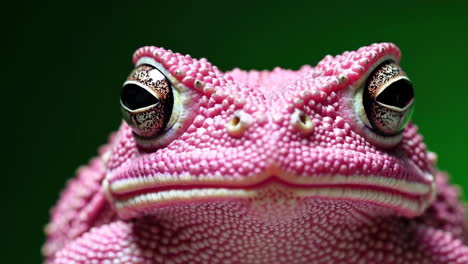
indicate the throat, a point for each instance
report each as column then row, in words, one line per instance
column 231, row 227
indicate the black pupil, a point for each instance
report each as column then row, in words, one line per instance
column 399, row 94
column 134, row 97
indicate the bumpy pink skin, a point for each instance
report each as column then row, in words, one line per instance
column 275, row 159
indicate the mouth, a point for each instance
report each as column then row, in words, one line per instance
column 133, row 197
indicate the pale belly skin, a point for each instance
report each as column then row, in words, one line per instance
column 262, row 167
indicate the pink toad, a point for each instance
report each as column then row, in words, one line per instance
column 318, row 165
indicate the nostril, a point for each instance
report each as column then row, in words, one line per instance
column 238, row 124
column 234, row 121
column 304, row 118
column 302, row 122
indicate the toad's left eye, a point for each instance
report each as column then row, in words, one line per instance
column 147, row 100
column 388, row 99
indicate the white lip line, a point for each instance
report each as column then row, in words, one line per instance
column 130, row 206
column 128, row 185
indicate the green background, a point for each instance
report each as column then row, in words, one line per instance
column 64, row 63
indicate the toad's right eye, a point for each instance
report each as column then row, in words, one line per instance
column 147, row 101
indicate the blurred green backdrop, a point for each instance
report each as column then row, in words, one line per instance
column 64, row 63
